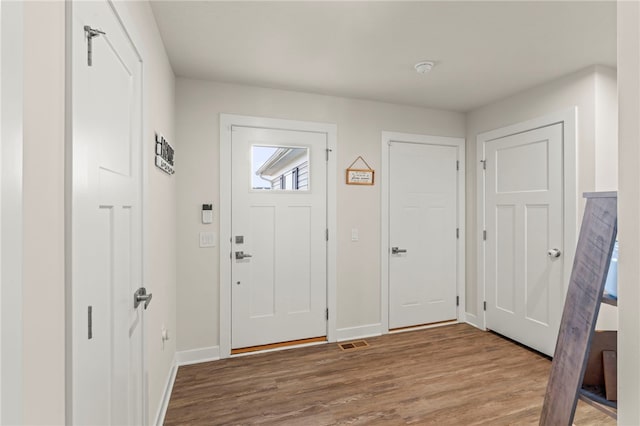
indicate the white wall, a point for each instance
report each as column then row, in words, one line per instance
column 606, row 157
column 606, row 102
column 360, row 123
column 11, row 152
column 44, row 281
column 629, row 213
column 596, row 134
column 44, row 214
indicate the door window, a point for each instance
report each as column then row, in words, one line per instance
column 279, row 168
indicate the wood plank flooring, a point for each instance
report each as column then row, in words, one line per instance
column 453, row 375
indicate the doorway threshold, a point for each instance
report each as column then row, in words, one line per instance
column 279, row 346
column 423, row 326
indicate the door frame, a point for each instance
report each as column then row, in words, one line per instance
column 459, row 143
column 11, row 193
column 226, row 123
column 120, row 10
column 569, row 120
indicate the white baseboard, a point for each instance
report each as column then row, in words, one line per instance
column 474, row 320
column 359, row 332
column 193, row 356
column 166, row 395
column 196, row 356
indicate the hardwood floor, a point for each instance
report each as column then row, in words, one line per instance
column 453, row 375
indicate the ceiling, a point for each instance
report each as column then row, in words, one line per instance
column 483, row 51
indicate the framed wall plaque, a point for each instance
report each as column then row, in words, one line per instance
column 164, row 155
column 360, row 176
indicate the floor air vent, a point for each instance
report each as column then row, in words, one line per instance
column 351, row 346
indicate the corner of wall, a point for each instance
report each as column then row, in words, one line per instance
column 161, row 411
column 628, row 212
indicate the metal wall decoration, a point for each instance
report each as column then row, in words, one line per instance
column 360, row 176
column 164, row 155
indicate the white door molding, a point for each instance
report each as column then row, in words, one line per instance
column 569, row 120
column 387, row 138
column 11, row 142
column 226, row 122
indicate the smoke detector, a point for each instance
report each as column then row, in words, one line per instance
column 424, row 67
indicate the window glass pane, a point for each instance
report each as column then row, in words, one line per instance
column 280, row 168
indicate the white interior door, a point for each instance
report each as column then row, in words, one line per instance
column 524, row 224
column 106, row 220
column 423, row 211
column 279, row 219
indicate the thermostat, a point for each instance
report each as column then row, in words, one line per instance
column 207, row 213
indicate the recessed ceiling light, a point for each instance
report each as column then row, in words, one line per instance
column 424, row 67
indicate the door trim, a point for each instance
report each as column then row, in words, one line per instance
column 11, row 193
column 226, row 122
column 569, row 120
column 387, row 138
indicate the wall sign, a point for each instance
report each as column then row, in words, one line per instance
column 360, row 176
column 164, row 155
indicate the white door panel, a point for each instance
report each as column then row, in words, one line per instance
column 524, row 211
column 107, row 221
column 423, row 220
column 279, row 293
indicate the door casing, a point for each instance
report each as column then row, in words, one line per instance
column 459, row 143
column 568, row 119
column 226, row 122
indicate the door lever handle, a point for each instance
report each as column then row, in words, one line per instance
column 141, row 296
column 241, row 255
column 396, row 250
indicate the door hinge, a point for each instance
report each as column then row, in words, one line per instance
column 457, row 233
column 91, row 33
column 457, row 300
column 457, row 164
column 484, row 235
column 484, row 164
column 327, row 151
column 485, row 305
column 326, row 234
column 327, row 314
column 90, row 322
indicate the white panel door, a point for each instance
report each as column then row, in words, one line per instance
column 423, row 193
column 279, row 293
column 106, row 221
column 524, row 211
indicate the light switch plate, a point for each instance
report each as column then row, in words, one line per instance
column 207, row 239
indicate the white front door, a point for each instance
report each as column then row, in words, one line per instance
column 106, row 257
column 423, row 215
column 279, row 246
column 524, row 224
